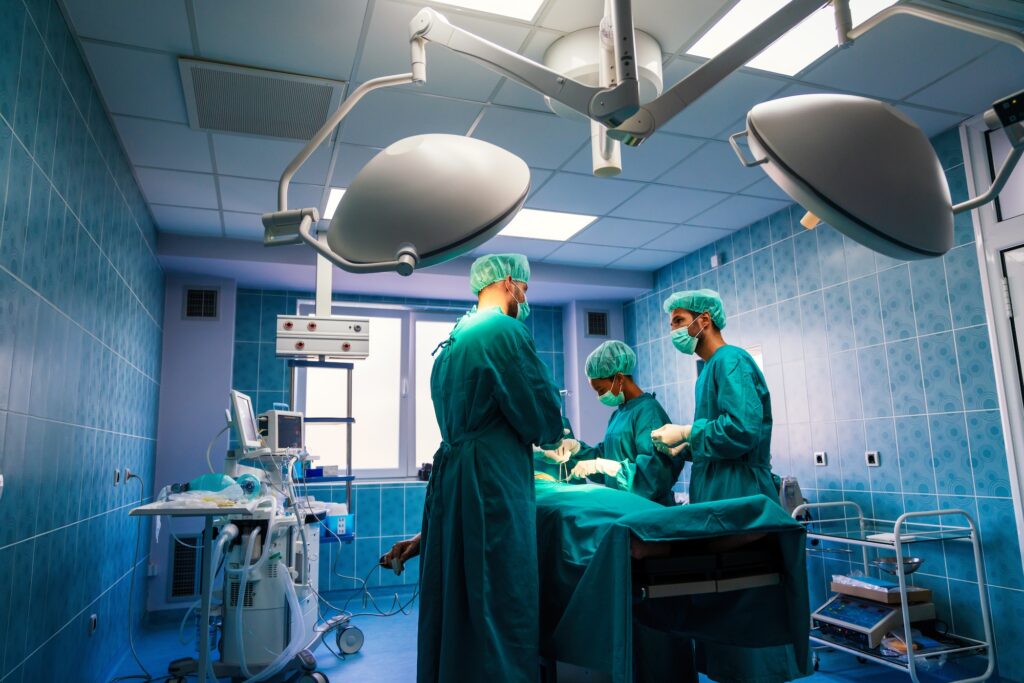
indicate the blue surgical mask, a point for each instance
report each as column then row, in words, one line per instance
column 523, row 308
column 683, row 341
column 611, row 399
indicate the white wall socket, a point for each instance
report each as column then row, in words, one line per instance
column 872, row 458
column 820, row 458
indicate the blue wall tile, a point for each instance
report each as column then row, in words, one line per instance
column 846, row 386
column 965, row 297
column 808, row 265
column 839, row 318
column 874, row 382
column 951, row 455
column 977, row 374
column 867, row 311
column 988, row 454
column 905, row 378
column 831, row 253
column 931, row 301
column 897, row 305
column 815, row 326
column 917, row 470
column 781, row 223
column 941, row 379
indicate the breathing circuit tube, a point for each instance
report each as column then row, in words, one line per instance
column 298, row 629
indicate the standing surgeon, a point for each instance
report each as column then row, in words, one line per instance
column 627, row 458
column 493, row 398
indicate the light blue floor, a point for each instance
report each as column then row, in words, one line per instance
column 389, row 655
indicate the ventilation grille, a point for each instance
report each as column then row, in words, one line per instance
column 597, row 324
column 250, row 589
column 200, row 304
column 236, row 99
column 184, row 568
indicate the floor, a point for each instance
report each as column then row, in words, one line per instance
column 389, row 655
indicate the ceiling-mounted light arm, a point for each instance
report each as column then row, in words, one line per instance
column 657, row 113
column 607, row 105
column 1015, row 135
column 938, row 16
column 404, row 263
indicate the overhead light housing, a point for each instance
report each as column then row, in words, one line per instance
column 860, row 165
column 333, row 197
column 546, row 225
column 796, row 49
column 524, row 10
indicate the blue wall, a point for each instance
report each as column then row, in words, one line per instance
column 81, row 300
column 865, row 352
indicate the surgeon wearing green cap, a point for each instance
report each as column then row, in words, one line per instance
column 729, row 443
column 626, row 459
column 493, row 398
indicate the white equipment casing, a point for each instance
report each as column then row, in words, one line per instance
column 302, row 336
column 265, row 617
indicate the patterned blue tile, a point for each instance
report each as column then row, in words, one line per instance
column 999, row 530
column 815, row 327
column 851, row 450
column 860, row 260
column 727, row 289
column 767, row 326
column 905, row 379
column 808, row 268
column 26, row 114
column 832, row 255
column 760, row 234
column 790, row 330
column 709, row 280
column 965, row 295
column 867, row 311
column 745, row 285
column 846, row 386
column 663, row 277
column 270, row 308
column 917, row 472
column 415, row 494
column 691, row 264
column 823, row 438
column 951, row 454
column 392, row 510
column 897, row 305
column 367, row 509
column 764, row 277
column 977, row 374
column 988, row 454
column 781, row 223
column 874, row 382
column 19, row 185
column 880, row 436
column 785, row 270
column 11, row 37
column 247, row 317
column 741, row 245
column 795, row 391
column 819, row 389
column 941, row 379
column 931, row 301
column 839, row 316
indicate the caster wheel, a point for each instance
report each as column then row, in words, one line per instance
column 306, row 660
column 349, row 640
column 313, row 677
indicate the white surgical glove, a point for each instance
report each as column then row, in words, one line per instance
column 555, row 456
column 568, row 448
column 585, row 468
column 670, row 438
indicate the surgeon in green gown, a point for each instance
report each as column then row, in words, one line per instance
column 729, row 444
column 493, row 398
column 626, row 459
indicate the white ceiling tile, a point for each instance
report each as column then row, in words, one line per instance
column 738, row 211
column 656, row 155
column 643, row 259
column 182, row 221
column 767, row 188
column 712, row 167
column 667, row 204
column 974, row 87
column 931, row 121
column 154, row 24
column 896, row 58
column 386, row 51
column 350, row 160
column 583, row 194
column 243, row 226
column 259, row 196
column 585, row 255
column 685, row 238
column 258, row 157
column 388, row 116
column 733, row 97
column 532, row 249
column 312, row 37
column 542, row 140
column 194, row 190
column 620, row 232
column 137, row 82
column 164, row 145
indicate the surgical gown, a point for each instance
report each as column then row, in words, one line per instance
column 730, row 446
column 479, row 596
column 645, row 471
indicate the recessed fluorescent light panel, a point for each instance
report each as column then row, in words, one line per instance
column 525, row 10
column 332, row 202
column 791, row 53
column 546, row 225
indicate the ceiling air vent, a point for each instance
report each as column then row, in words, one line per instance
column 238, row 99
column 200, row 303
column 597, row 323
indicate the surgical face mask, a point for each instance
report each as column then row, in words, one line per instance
column 683, row 341
column 522, row 307
column 611, row 399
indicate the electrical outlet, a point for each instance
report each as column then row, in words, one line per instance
column 94, row 623
column 151, row 570
column 715, row 260
column 820, row 458
column 872, row 458
column 127, row 474
column 117, row 476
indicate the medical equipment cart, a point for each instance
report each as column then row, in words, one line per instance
column 875, row 535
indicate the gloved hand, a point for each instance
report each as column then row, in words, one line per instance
column 568, row 448
column 670, row 435
column 555, row 456
column 585, row 468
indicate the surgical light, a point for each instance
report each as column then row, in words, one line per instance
column 333, row 197
column 546, row 225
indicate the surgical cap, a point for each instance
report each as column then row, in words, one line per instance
column 698, row 301
column 487, row 270
column 610, row 358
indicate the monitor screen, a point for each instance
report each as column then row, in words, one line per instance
column 245, row 420
column 289, row 431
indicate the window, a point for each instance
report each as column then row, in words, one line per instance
column 395, row 430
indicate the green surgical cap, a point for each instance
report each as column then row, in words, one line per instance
column 487, row 270
column 609, row 359
column 698, row 301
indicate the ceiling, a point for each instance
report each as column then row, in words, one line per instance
column 679, row 191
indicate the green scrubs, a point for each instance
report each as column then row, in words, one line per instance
column 645, row 471
column 479, row 603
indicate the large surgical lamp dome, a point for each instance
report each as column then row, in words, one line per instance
column 442, row 194
column 861, row 166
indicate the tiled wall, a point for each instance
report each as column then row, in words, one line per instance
column 865, row 352
column 81, row 297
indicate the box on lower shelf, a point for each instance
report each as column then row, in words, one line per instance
column 915, row 594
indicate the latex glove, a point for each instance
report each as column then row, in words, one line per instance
column 568, row 448
column 585, row 468
column 555, row 456
column 668, row 436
